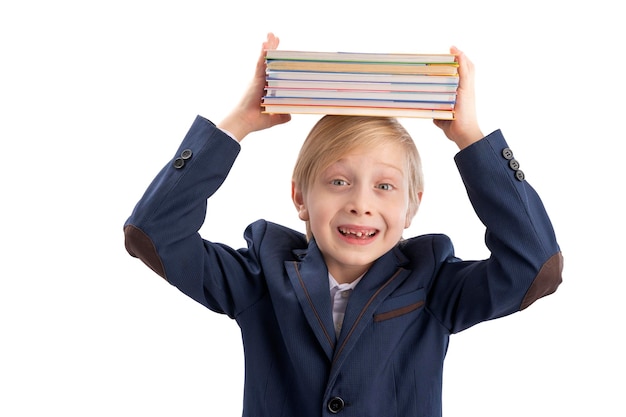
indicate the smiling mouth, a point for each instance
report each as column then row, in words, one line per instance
column 357, row 233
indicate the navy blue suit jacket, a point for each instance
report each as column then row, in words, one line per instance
column 388, row 358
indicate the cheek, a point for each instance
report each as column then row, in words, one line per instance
column 317, row 212
column 403, row 214
column 401, row 222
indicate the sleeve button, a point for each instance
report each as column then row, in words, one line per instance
column 186, row 154
column 507, row 153
column 179, row 163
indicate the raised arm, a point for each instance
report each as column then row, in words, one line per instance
column 526, row 261
column 163, row 228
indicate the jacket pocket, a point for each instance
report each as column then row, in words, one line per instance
column 401, row 305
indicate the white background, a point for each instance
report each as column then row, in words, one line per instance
column 96, row 96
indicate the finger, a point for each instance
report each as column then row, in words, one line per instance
column 271, row 42
column 277, row 119
column 440, row 123
column 466, row 70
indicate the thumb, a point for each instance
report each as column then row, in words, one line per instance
column 439, row 123
column 277, row 119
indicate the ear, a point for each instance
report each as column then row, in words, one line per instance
column 412, row 211
column 298, row 200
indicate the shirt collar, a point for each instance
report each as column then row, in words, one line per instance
column 333, row 284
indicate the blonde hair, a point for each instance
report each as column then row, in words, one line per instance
column 332, row 137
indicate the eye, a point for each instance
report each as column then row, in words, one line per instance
column 339, row 182
column 385, row 187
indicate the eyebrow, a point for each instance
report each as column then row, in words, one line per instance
column 386, row 164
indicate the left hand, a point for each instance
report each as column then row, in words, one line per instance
column 463, row 130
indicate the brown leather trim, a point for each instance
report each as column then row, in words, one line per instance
column 139, row 245
column 398, row 312
column 546, row 281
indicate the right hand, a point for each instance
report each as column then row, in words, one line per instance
column 248, row 116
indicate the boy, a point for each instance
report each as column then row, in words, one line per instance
column 350, row 319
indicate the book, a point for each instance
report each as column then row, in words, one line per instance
column 363, row 77
column 329, row 102
column 360, row 94
column 388, row 68
column 361, row 111
column 367, row 86
column 276, row 54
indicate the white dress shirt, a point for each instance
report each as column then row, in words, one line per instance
column 339, row 295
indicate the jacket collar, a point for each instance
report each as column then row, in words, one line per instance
column 309, row 278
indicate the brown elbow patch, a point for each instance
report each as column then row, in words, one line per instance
column 546, row 281
column 139, row 245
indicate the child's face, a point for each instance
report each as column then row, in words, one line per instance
column 357, row 208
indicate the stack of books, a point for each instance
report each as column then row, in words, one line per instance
column 361, row 84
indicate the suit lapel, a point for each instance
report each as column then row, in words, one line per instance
column 309, row 278
column 381, row 280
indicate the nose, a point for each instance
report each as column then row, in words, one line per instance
column 360, row 203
